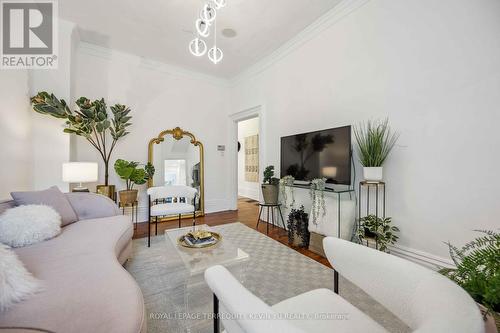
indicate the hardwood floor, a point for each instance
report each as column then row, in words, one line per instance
column 247, row 213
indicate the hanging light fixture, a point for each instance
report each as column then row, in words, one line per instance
column 219, row 4
column 208, row 13
column 208, row 17
column 202, row 27
column 215, row 54
column 198, row 47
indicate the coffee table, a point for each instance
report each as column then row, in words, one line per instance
column 196, row 261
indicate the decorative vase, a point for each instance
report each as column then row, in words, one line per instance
column 270, row 193
column 373, row 173
column 107, row 190
column 128, row 196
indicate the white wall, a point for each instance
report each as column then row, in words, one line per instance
column 47, row 132
column 161, row 97
column 430, row 66
column 15, row 133
column 246, row 189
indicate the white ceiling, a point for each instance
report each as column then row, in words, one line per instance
column 159, row 29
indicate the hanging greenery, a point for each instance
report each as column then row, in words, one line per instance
column 317, row 194
column 285, row 182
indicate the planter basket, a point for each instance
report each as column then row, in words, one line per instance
column 128, row 197
column 270, row 194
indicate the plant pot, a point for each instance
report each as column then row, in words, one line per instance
column 372, row 173
column 270, row 193
column 491, row 321
column 107, row 190
column 369, row 234
column 128, row 196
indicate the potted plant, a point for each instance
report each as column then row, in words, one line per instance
column 129, row 171
column 477, row 271
column 285, row 182
column 90, row 121
column 317, row 194
column 270, row 189
column 379, row 229
column 297, row 225
column 375, row 141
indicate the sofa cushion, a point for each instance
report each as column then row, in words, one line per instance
column 29, row 224
column 16, row 283
column 86, row 288
column 52, row 197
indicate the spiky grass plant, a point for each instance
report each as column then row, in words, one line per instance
column 478, row 270
column 375, row 141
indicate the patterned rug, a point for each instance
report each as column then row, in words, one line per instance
column 274, row 272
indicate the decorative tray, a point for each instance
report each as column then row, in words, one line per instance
column 211, row 238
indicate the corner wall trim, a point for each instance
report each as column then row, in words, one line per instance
column 334, row 15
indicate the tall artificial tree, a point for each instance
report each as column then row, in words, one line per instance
column 90, row 121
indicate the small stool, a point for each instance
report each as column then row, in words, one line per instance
column 135, row 206
column 270, row 207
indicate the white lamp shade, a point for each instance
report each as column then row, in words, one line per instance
column 79, row 172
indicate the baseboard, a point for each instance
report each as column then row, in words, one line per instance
column 420, row 257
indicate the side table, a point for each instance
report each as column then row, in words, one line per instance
column 135, row 207
column 270, row 207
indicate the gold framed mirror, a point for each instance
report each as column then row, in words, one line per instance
column 178, row 159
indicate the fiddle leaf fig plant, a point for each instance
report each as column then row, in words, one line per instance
column 91, row 120
column 131, row 174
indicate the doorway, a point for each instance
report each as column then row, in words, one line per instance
column 246, row 157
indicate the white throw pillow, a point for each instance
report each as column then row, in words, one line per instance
column 30, row 224
column 16, row 283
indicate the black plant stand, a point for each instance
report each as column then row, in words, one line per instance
column 379, row 189
column 270, row 208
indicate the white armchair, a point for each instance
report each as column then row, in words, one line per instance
column 423, row 299
column 173, row 200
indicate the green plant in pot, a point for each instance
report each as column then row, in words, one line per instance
column 130, row 172
column 270, row 186
column 375, row 141
column 379, row 229
column 91, row 120
column 477, row 271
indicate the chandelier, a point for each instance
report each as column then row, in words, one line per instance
column 207, row 19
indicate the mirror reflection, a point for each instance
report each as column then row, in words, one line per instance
column 178, row 158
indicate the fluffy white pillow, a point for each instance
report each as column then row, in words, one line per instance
column 30, row 224
column 16, row 283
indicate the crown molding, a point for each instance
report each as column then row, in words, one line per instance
column 143, row 62
column 334, row 15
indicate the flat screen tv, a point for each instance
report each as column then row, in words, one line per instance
column 319, row 154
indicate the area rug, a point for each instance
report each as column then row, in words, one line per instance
column 274, row 272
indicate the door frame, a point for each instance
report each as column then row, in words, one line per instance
column 234, row 119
